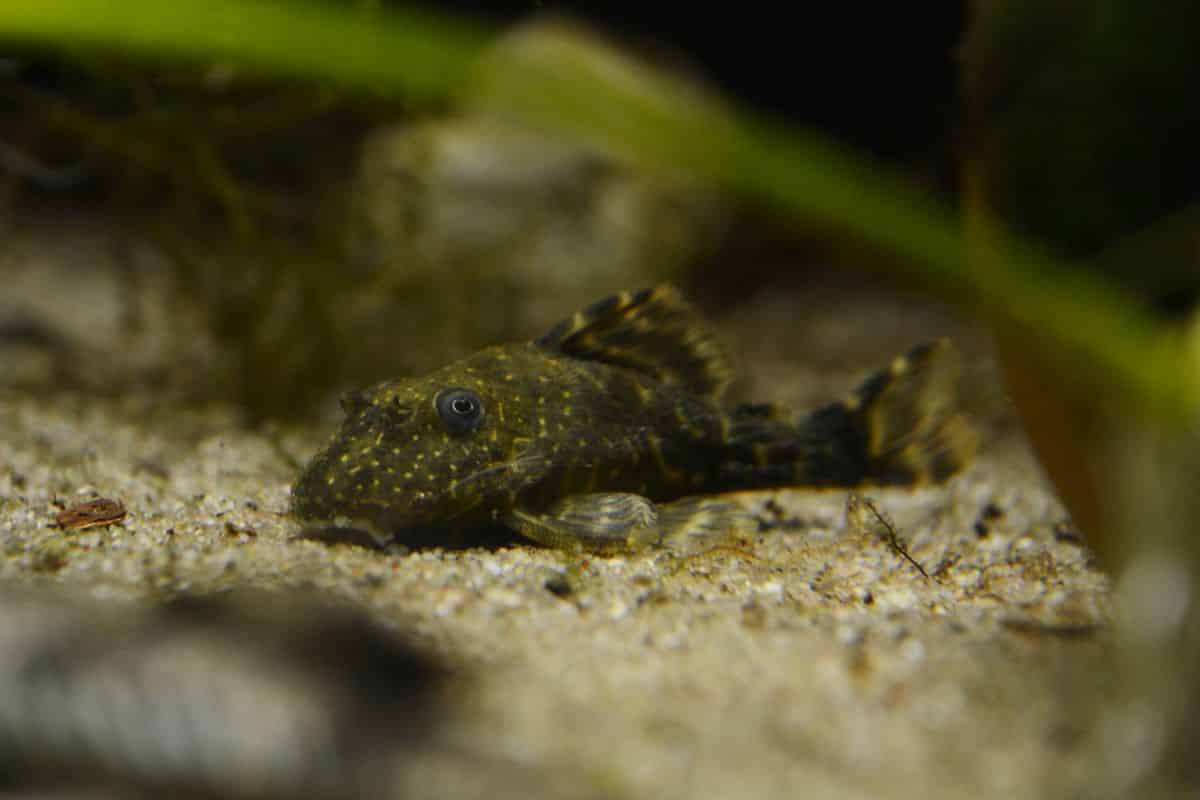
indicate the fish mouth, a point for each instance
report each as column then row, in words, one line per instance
column 342, row 531
column 368, row 520
column 320, row 501
column 383, row 523
column 371, row 533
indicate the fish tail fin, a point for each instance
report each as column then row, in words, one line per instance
column 902, row 426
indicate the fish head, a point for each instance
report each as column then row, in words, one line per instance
column 448, row 447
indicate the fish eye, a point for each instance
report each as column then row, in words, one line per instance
column 461, row 410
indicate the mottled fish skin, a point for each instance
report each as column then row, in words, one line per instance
column 554, row 427
column 623, row 397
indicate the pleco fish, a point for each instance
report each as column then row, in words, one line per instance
column 606, row 433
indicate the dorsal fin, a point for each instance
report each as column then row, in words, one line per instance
column 654, row 331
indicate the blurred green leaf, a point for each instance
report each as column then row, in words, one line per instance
column 575, row 85
column 421, row 54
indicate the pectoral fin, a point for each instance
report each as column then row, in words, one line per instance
column 696, row 523
column 598, row 523
column 619, row 522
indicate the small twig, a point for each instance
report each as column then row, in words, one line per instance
column 889, row 534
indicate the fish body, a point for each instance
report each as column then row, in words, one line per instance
column 584, row 437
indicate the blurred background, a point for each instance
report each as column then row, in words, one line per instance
column 272, row 241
